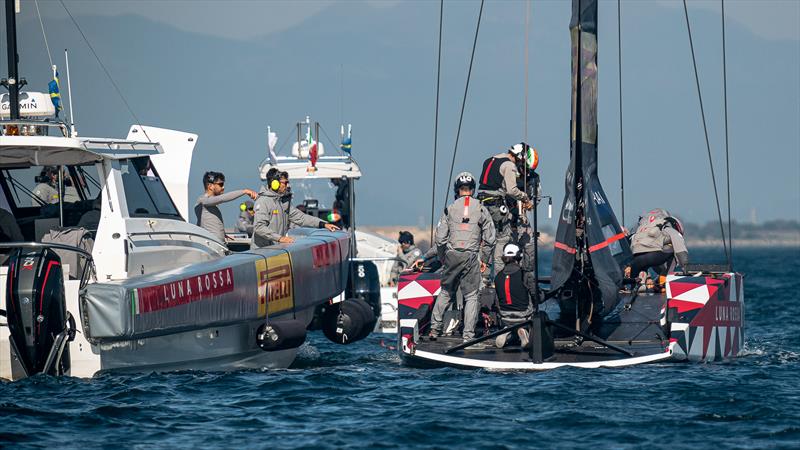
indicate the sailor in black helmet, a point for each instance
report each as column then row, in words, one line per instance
column 465, row 225
column 498, row 190
column 408, row 254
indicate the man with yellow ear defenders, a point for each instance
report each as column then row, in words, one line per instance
column 274, row 213
column 245, row 222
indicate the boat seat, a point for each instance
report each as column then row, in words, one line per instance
column 75, row 236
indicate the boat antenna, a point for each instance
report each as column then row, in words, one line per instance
column 464, row 100
column 705, row 130
column 436, row 119
column 527, row 27
column 727, row 157
column 72, row 132
column 619, row 71
column 13, row 83
column 103, row 66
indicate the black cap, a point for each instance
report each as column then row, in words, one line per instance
column 406, row 238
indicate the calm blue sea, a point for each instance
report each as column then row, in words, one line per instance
column 359, row 396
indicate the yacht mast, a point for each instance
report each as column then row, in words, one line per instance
column 12, row 83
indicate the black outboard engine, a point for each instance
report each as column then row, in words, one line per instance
column 364, row 283
column 37, row 314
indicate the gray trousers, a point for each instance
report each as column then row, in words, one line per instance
column 461, row 270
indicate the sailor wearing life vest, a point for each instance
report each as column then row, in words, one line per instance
column 514, row 287
column 499, row 192
column 657, row 242
column 465, row 235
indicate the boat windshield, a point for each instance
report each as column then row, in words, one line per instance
column 320, row 189
column 145, row 193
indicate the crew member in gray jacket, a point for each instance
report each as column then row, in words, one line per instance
column 206, row 210
column 464, row 239
column 274, row 213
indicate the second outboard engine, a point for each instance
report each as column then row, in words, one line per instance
column 37, row 314
column 364, row 283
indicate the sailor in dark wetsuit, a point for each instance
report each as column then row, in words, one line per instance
column 514, row 287
column 498, row 190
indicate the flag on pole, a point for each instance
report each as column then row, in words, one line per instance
column 312, row 148
column 55, row 95
column 272, row 139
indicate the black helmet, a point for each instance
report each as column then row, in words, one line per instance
column 406, row 237
column 464, row 179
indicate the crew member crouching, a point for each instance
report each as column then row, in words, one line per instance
column 658, row 244
column 515, row 288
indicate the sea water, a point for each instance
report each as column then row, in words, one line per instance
column 359, row 396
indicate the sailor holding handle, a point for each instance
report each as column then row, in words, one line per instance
column 465, row 225
column 206, row 210
column 274, row 212
column 498, row 189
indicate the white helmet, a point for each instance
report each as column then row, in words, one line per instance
column 511, row 250
column 518, row 149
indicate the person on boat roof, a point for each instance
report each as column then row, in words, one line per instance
column 274, row 213
column 514, row 287
column 408, row 254
column 465, row 235
column 206, row 210
column 658, row 243
column 45, row 191
column 498, row 190
column 246, row 215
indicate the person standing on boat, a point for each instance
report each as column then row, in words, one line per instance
column 498, row 190
column 274, row 213
column 464, row 238
column 514, row 287
column 408, row 254
column 206, row 210
column 657, row 244
column 45, row 191
column 245, row 222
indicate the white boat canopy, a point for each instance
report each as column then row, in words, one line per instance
column 54, row 151
column 326, row 167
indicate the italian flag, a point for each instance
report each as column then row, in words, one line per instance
column 312, row 149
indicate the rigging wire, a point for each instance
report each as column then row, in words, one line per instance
column 102, row 66
column 436, row 118
column 619, row 71
column 44, row 35
column 464, row 100
column 705, row 130
column 727, row 157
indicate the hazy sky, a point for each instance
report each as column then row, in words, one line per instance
column 226, row 70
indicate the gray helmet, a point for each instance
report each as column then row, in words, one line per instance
column 464, row 179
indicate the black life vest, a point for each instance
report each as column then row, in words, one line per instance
column 512, row 295
column 490, row 175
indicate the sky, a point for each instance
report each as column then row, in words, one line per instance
column 227, row 70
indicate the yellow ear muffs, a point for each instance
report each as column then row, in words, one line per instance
column 243, row 207
column 274, row 185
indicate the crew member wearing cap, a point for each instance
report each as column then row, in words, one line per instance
column 408, row 253
column 515, row 288
column 274, row 213
column 498, row 190
column 206, row 209
column 464, row 237
column 45, row 191
column 245, row 222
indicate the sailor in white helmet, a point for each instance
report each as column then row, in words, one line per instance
column 464, row 238
column 498, row 190
column 658, row 243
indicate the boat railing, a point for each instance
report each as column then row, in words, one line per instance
column 107, row 146
column 31, row 128
column 223, row 248
column 87, row 271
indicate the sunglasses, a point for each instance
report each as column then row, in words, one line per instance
column 220, row 183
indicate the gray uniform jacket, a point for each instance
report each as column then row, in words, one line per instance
column 273, row 216
column 667, row 240
column 406, row 259
column 509, row 172
column 465, row 224
column 46, row 193
column 245, row 223
column 209, row 216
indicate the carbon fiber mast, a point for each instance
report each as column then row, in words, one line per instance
column 590, row 246
column 13, row 83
